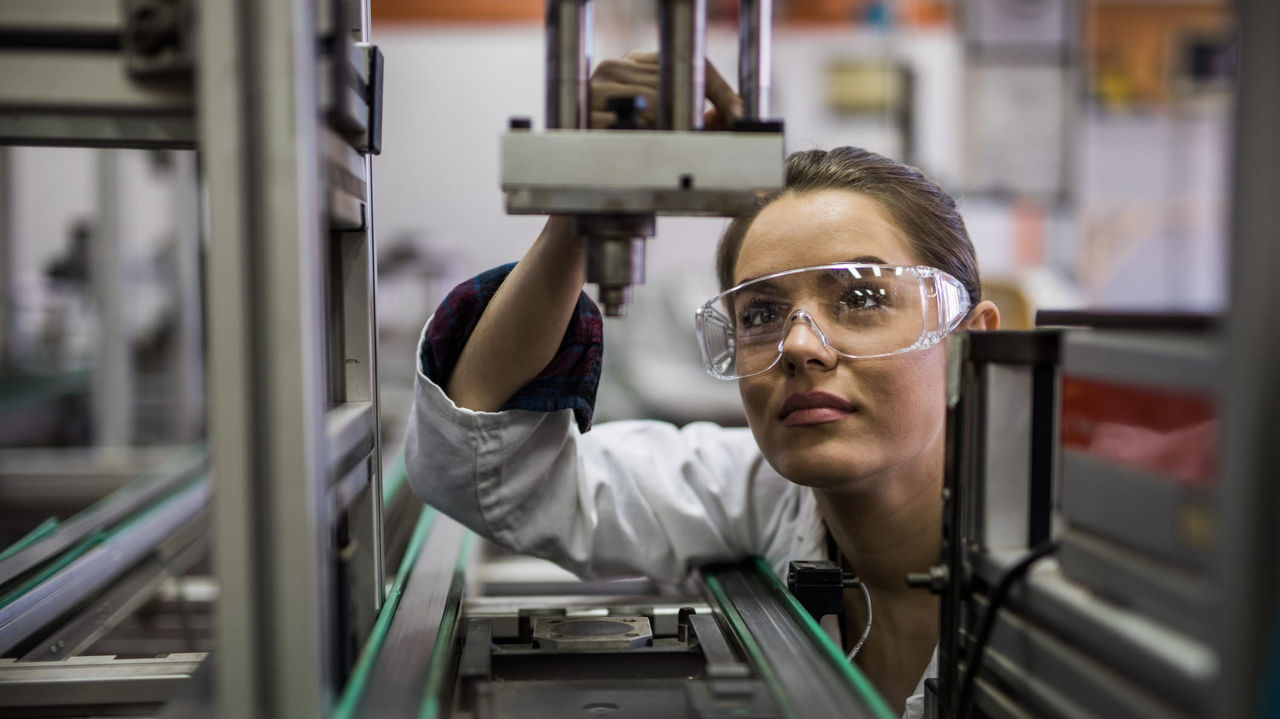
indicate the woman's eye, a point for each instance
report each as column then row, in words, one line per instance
column 758, row 315
column 863, row 298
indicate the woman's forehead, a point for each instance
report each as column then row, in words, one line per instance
column 821, row 227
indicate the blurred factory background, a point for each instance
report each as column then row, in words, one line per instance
column 1087, row 143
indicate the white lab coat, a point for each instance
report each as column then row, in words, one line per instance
column 626, row 498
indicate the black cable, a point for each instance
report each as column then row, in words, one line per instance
column 995, row 599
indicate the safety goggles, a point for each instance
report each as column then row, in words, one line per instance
column 857, row 310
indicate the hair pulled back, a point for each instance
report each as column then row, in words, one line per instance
column 925, row 214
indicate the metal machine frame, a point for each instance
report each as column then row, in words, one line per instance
column 281, row 101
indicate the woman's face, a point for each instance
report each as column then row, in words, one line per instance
column 884, row 414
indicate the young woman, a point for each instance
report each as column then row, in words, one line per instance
column 839, row 291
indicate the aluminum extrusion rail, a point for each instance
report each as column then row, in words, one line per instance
column 110, row 510
column 808, row 675
column 406, row 678
column 98, row 567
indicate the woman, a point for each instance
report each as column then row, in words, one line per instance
column 840, row 289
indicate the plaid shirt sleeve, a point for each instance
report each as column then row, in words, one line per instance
column 569, row 381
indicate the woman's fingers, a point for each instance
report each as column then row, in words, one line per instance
column 727, row 104
column 636, row 73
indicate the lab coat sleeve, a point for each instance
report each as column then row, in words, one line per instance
column 626, row 498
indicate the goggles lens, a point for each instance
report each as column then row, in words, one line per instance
column 858, row 310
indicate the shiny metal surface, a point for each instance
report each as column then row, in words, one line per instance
column 568, row 49
column 681, row 64
column 755, row 57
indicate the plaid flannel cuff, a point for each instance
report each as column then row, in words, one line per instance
column 569, row 381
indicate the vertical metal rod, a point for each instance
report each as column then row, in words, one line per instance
column 113, row 367
column 1249, row 497
column 755, row 56
column 682, row 28
column 188, row 361
column 375, row 485
column 568, row 63
column 7, row 274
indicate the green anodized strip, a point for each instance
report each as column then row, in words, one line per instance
column 440, row 653
column 44, row 529
column 744, row 635
column 95, row 539
column 868, row 693
column 54, row 567
column 350, row 698
column 394, row 480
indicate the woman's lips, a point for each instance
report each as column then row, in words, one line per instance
column 814, row 408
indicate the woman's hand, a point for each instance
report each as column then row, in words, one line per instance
column 637, row 74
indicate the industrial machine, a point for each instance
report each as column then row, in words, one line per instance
column 613, row 182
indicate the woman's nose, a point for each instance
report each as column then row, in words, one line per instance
column 804, row 345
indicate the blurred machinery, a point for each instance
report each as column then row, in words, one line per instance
column 1109, row 535
column 614, row 181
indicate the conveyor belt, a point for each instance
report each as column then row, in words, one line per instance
column 808, row 675
column 402, row 667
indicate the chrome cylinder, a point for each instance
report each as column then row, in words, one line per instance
column 568, row 63
column 755, row 56
column 614, row 247
column 681, row 63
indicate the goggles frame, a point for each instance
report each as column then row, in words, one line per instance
column 949, row 294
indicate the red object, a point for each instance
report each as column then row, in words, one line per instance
column 1172, row 434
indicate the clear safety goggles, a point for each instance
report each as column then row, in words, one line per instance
column 857, row 310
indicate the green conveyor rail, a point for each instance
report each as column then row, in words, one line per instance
column 434, row 687
column 863, row 686
column 94, row 539
column 42, row 530
column 350, row 698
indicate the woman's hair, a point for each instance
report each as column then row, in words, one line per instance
column 926, row 215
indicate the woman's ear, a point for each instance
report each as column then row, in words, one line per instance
column 986, row 316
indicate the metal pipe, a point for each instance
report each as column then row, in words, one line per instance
column 568, row 63
column 682, row 28
column 755, row 56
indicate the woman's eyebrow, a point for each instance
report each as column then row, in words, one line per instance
column 867, row 260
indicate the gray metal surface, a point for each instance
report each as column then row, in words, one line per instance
column 260, row 140
column 1057, row 680
column 805, row 680
column 1145, row 359
column 1006, row 456
column 167, row 477
column 349, row 429
column 94, row 681
column 1167, row 593
column 173, row 557
column 113, row 375
column 98, row 567
column 1169, row 662
column 568, row 49
column 1137, row 509
column 1250, row 498
column 92, row 102
column 398, row 678
column 755, row 57
column 682, row 29
column 742, row 162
